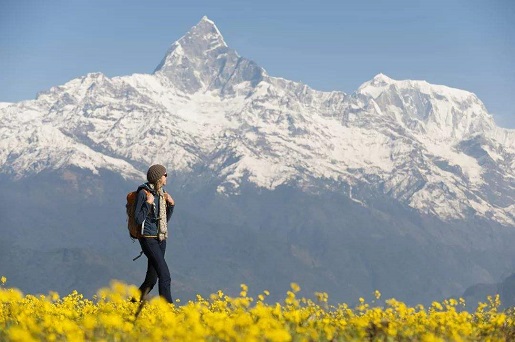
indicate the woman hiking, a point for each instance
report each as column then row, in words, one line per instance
column 154, row 207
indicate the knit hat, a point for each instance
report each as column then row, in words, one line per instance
column 155, row 172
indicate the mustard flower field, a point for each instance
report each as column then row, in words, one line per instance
column 112, row 316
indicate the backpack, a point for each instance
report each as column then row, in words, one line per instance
column 135, row 230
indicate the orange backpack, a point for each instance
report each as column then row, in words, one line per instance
column 135, row 230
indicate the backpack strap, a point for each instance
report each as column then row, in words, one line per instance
column 147, row 192
column 139, row 256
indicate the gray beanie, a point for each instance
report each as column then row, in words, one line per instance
column 155, row 172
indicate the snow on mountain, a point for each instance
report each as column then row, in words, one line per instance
column 438, row 111
column 30, row 145
column 4, row 104
column 207, row 110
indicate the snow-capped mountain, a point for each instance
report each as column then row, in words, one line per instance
column 207, row 111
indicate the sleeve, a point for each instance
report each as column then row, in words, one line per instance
column 142, row 207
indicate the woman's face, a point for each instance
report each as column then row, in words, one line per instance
column 162, row 180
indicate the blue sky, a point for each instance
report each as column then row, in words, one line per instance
column 328, row 45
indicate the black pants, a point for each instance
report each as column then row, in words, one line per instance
column 157, row 268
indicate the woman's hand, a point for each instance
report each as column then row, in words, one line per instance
column 169, row 199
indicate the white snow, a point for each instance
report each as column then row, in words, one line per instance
column 5, row 104
column 381, row 83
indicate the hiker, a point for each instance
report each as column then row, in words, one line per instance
column 155, row 210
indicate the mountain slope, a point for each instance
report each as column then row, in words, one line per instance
column 205, row 107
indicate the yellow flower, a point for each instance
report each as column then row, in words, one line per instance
column 20, row 334
column 111, row 316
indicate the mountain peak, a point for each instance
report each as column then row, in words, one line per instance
column 201, row 61
column 205, row 30
column 206, row 20
column 202, row 40
column 382, row 78
column 376, row 86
